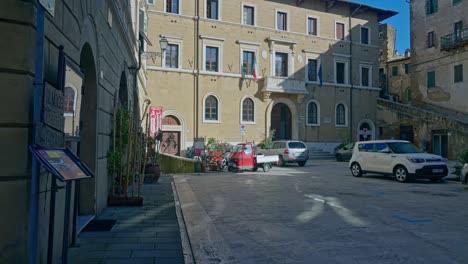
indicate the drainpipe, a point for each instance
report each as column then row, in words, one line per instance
column 351, row 74
column 197, row 65
column 38, row 86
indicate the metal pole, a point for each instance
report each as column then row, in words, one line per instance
column 66, row 223
column 38, row 86
column 50, row 246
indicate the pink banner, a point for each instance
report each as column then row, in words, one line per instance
column 155, row 120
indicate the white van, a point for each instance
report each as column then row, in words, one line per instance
column 398, row 158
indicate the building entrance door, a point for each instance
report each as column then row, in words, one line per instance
column 440, row 144
column 281, row 121
column 171, row 129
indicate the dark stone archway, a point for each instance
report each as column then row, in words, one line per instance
column 281, row 121
column 88, row 134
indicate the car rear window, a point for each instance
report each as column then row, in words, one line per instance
column 296, row 145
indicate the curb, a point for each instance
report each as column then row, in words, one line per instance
column 186, row 246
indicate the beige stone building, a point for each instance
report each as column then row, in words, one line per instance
column 100, row 39
column 316, row 64
column 437, row 118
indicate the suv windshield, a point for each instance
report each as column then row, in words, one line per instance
column 238, row 148
column 296, row 145
column 403, row 147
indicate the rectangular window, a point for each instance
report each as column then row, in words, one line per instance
column 430, row 39
column 212, row 8
column 430, row 79
column 281, row 64
column 431, row 7
column 340, row 28
column 172, row 6
column 150, row 2
column 340, row 72
column 282, row 21
column 312, row 26
column 456, row 1
column 172, row 56
column 457, row 29
column 249, row 15
column 365, row 78
column 364, row 35
column 312, row 70
column 395, row 71
column 247, row 62
column 407, row 68
column 211, row 61
column 458, row 73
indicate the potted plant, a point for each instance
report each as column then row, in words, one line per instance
column 152, row 169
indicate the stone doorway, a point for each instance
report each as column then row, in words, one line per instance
column 281, row 121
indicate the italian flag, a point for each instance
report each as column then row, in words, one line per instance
column 254, row 71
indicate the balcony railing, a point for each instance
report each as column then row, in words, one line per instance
column 284, row 85
column 454, row 40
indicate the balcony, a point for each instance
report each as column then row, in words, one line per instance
column 454, row 40
column 284, row 85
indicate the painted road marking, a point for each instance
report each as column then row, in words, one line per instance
column 412, row 220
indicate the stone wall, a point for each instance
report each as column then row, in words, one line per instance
column 89, row 38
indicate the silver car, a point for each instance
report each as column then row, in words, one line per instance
column 464, row 174
column 289, row 151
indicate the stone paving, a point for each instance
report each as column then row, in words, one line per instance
column 142, row 234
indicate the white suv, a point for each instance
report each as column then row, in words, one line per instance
column 398, row 158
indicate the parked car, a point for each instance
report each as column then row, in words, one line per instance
column 345, row 152
column 399, row 158
column 464, row 174
column 289, row 151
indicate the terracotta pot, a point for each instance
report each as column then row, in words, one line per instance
column 152, row 173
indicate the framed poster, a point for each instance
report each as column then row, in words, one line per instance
column 62, row 163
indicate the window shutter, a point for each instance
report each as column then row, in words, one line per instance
column 436, row 5
column 428, row 7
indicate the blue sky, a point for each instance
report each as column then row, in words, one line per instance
column 401, row 21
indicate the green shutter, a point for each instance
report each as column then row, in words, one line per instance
column 458, row 73
column 428, row 7
column 410, row 95
column 430, row 79
column 436, row 5
column 456, row 1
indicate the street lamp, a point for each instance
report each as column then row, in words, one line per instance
column 152, row 55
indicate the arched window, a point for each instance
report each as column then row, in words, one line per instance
column 340, row 115
column 248, row 111
column 69, row 100
column 313, row 113
column 211, row 108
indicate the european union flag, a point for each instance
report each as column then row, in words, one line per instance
column 320, row 74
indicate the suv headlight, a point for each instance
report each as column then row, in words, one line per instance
column 465, row 166
column 415, row 160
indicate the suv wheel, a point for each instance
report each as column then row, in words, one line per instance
column 356, row 170
column 401, row 173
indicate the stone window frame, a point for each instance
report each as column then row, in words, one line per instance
column 173, row 40
column 218, row 120
column 220, row 4
column 345, row 30
column 369, row 40
column 317, row 19
column 179, row 7
column 368, row 66
column 345, row 115
column 346, row 70
column 211, row 41
column 242, row 110
column 317, row 104
column 288, row 19
column 254, row 6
